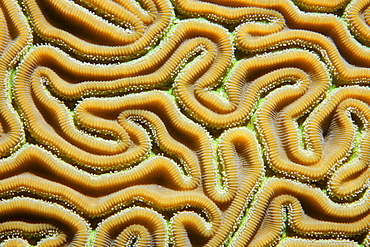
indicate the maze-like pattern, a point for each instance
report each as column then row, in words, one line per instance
column 184, row 122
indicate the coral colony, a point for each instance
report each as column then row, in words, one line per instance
column 184, row 123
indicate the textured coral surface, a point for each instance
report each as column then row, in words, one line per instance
column 184, row 122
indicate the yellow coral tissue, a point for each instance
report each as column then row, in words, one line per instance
column 182, row 123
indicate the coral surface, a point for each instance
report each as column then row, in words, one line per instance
column 184, row 123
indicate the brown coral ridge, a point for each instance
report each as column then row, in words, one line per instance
column 50, row 123
column 71, row 79
column 14, row 38
column 91, row 35
column 32, row 168
column 39, row 172
column 249, row 79
column 357, row 15
column 173, row 133
column 237, row 11
column 27, row 216
column 32, row 161
column 329, row 133
column 353, row 177
column 229, row 12
column 340, row 51
column 238, row 149
column 297, row 242
column 99, row 202
column 310, row 212
column 145, row 225
column 156, row 110
column 48, row 234
column 151, row 195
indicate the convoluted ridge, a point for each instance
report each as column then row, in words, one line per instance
column 184, row 123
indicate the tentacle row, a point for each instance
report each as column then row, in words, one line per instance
column 184, row 123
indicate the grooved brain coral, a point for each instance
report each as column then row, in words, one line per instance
column 184, row 123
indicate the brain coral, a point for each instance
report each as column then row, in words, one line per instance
column 184, row 123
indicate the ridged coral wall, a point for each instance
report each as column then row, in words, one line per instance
column 184, row 122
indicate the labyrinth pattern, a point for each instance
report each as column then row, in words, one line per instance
column 184, row 123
